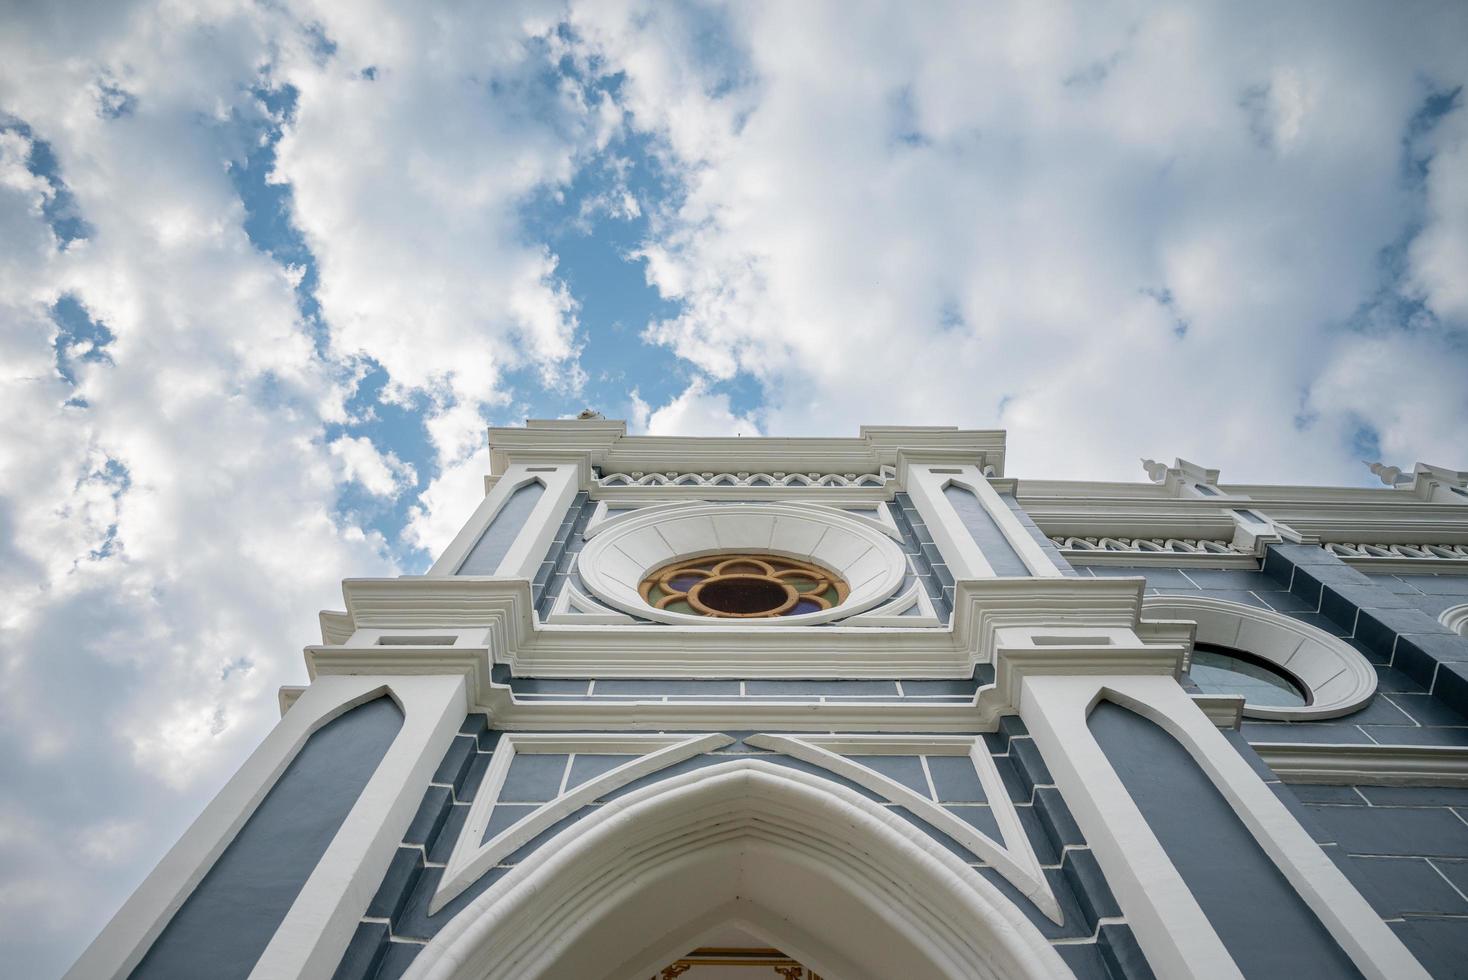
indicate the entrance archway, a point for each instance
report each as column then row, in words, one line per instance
column 842, row 884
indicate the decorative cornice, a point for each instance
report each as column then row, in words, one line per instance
column 1413, row 552
column 1170, row 546
column 1372, row 765
column 746, row 479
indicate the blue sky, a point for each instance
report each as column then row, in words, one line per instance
column 267, row 270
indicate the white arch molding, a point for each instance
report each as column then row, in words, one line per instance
column 843, row 885
column 1455, row 618
column 1340, row 679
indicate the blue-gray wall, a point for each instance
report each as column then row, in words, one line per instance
column 229, row 919
column 495, row 541
column 1268, row 929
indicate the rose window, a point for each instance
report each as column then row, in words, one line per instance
column 745, row 586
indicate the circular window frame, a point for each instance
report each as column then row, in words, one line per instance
column 662, row 579
column 621, row 552
column 1338, row 679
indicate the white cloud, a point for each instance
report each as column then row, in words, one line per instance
column 1049, row 219
column 166, row 522
column 1439, row 255
column 696, row 412
column 381, row 474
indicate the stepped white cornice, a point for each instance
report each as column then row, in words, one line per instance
column 607, row 447
column 501, row 608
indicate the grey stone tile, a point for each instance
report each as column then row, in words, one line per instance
column 1312, row 732
column 1379, row 627
column 1441, row 945
column 955, row 779
column 1157, row 578
column 1307, row 793
column 504, row 816
column 1418, row 655
column 1032, row 769
column 1389, row 679
column 1123, row 955
column 584, row 767
column 1089, row 884
column 1397, row 831
column 979, row 817
column 1286, row 602
column 1427, row 710
column 1084, row 960
column 397, row 883
column 364, row 953
column 429, row 820
column 477, row 768
column 1075, row 925
column 922, row 687
column 1433, row 605
column 533, row 778
column 1225, row 595
column 396, row 958
column 905, row 769
column 548, row 685
column 760, row 688
column 660, row 687
column 1440, row 584
column 1451, row 686
column 1019, row 792
column 453, row 825
column 1395, row 735
column 1056, row 819
column 1397, row 886
column 1320, row 622
column 1034, row 828
column 1416, row 795
column 1393, row 583
column 1233, row 579
column 1381, row 711
column 1454, row 871
column 455, row 764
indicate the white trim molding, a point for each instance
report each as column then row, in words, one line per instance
column 1366, row 765
column 1339, row 679
column 835, row 880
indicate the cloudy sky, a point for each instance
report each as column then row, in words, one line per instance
column 267, row 269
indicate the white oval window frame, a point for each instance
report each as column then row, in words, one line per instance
column 622, row 551
column 1340, row 680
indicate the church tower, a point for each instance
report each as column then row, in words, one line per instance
column 858, row 709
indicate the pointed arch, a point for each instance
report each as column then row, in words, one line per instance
column 847, row 886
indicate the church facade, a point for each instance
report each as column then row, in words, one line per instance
column 852, row 708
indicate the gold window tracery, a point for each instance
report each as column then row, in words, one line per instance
column 743, row 586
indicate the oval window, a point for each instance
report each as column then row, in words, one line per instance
column 1224, row 670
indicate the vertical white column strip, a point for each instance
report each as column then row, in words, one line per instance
column 1169, row 925
column 122, row 944
column 315, row 932
column 1355, row 926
